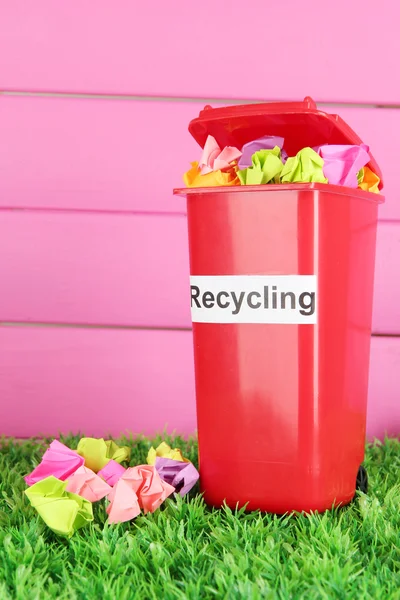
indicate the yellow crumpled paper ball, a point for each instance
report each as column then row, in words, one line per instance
column 97, row 452
column 164, row 451
column 62, row 511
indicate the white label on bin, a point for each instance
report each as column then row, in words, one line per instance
column 282, row 299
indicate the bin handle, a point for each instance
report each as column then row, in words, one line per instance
column 310, row 103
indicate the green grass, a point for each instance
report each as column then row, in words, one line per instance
column 188, row 551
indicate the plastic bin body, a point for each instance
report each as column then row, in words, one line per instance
column 281, row 408
column 281, row 387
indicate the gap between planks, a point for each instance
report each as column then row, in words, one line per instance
column 225, row 101
column 129, row 327
column 91, row 211
column 7, row 324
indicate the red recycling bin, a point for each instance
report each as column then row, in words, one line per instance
column 281, row 291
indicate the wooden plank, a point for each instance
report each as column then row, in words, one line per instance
column 380, row 129
column 85, row 154
column 87, row 268
column 107, row 381
column 384, row 386
column 96, row 381
column 184, row 49
column 127, row 270
column 386, row 319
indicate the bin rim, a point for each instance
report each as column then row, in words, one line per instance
column 339, row 190
column 237, row 124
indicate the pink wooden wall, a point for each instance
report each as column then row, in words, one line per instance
column 95, row 98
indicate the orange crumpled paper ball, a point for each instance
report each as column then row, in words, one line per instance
column 370, row 181
column 193, row 178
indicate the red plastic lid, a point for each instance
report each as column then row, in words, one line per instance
column 301, row 124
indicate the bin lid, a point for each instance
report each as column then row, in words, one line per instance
column 301, row 124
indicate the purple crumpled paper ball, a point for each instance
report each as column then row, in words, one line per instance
column 267, row 142
column 181, row 475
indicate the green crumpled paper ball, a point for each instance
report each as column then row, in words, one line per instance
column 62, row 511
column 266, row 167
column 97, row 452
column 360, row 176
column 305, row 167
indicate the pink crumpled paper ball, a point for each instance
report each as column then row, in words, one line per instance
column 58, row 461
column 138, row 488
column 112, row 472
column 87, row 484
